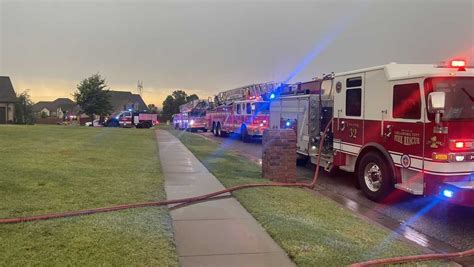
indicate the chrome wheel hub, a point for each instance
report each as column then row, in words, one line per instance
column 373, row 177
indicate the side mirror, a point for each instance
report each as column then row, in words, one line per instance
column 436, row 102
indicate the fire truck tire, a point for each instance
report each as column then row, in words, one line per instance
column 374, row 177
column 204, row 130
column 213, row 129
column 146, row 125
column 218, row 130
column 244, row 134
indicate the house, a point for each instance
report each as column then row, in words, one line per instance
column 7, row 100
column 57, row 108
column 121, row 100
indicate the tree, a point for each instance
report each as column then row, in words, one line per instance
column 192, row 97
column 180, row 97
column 24, row 113
column 153, row 108
column 169, row 107
column 93, row 96
column 173, row 101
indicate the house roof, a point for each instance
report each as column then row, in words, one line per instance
column 7, row 93
column 119, row 99
column 63, row 103
column 37, row 107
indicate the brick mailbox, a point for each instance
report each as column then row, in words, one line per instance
column 279, row 155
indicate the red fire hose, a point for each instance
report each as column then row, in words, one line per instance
column 173, row 201
column 229, row 190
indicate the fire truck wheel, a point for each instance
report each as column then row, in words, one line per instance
column 218, row 130
column 374, row 177
column 204, row 130
column 214, row 129
column 244, row 134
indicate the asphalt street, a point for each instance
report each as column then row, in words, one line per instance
column 429, row 222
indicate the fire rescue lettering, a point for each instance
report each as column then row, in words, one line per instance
column 407, row 138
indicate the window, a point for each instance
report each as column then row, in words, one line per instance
column 249, row 108
column 262, row 107
column 406, row 101
column 354, row 82
column 353, row 102
column 238, row 108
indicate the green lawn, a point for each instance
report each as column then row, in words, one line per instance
column 56, row 168
column 313, row 230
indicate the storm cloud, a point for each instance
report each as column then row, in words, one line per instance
column 207, row 46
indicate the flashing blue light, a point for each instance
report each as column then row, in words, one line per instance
column 272, row 96
column 448, row 193
column 288, row 123
column 129, row 109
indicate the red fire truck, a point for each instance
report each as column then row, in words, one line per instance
column 195, row 112
column 243, row 111
column 180, row 121
column 404, row 126
column 132, row 118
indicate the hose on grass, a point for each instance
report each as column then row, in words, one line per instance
column 180, row 201
column 212, row 196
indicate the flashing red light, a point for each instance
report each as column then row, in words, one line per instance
column 459, row 144
column 458, row 63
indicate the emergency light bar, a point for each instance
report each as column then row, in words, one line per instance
column 458, row 63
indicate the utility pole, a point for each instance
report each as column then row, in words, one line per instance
column 140, row 87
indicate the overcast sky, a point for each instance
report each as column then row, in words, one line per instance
column 207, row 46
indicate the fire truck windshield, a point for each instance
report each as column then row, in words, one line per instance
column 197, row 113
column 262, row 108
column 459, row 91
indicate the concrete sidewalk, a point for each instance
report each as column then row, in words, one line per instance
column 212, row 233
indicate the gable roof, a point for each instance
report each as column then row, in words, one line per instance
column 63, row 103
column 119, row 99
column 139, row 100
column 7, row 93
column 37, row 107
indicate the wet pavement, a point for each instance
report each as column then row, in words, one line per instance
column 427, row 221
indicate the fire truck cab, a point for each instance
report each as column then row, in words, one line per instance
column 180, row 121
column 245, row 117
column 404, row 126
